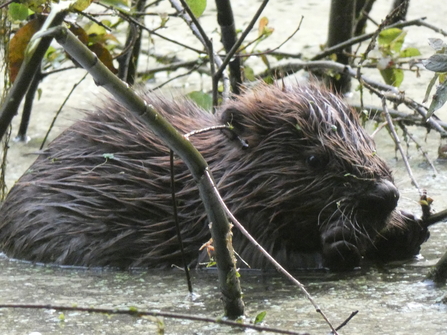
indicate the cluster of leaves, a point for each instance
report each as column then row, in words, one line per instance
column 94, row 35
column 390, row 46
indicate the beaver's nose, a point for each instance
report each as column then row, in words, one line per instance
column 382, row 197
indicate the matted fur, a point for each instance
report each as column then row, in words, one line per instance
column 100, row 194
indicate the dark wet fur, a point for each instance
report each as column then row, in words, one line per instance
column 303, row 182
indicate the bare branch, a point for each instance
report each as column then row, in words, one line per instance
column 269, row 257
column 137, row 313
column 397, row 142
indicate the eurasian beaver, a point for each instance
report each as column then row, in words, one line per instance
column 308, row 186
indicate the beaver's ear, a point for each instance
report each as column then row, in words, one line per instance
column 234, row 118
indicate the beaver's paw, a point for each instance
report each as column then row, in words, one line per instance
column 339, row 254
column 399, row 242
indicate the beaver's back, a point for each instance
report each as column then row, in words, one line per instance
column 99, row 195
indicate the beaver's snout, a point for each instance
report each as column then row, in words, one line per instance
column 383, row 198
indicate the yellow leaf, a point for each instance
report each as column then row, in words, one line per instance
column 80, row 5
column 263, row 22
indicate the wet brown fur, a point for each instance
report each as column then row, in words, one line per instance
column 100, row 194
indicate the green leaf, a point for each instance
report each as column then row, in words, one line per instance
column 108, row 156
column 18, row 12
column 269, row 80
column 260, row 317
column 387, row 36
column 409, row 52
column 202, row 99
column 265, row 60
column 396, row 45
column 430, row 86
column 80, row 5
column 95, row 30
column 392, row 39
column 197, row 6
column 249, row 74
column 123, row 5
column 392, row 76
column 439, row 99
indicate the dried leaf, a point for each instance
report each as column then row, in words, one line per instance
column 80, row 33
column 104, row 55
column 263, row 22
column 18, row 45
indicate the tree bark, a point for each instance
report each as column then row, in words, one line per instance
column 401, row 15
column 225, row 19
column 128, row 63
column 341, row 28
column 362, row 7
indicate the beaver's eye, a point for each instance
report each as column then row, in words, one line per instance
column 315, row 162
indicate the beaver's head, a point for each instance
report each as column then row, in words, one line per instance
column 310, row 178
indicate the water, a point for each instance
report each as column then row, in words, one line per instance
column 396, row 299
column 392, row 300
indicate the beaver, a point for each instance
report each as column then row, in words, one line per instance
column 296, row 168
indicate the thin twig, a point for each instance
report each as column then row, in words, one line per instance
column 344, row 323
column 272, row 51
column 432, row 27
column 183, row 9
column 397, row 142
column 199, row 32
column 60, row 110
column 365, row 37
column 273, row 261
column 137, row 313
column 6, row 3
column 371, row 46
column 177, row 224
column 330, row 65
column 418, row 146
column 151, row 31
column 194, row 64
column 174, row 78
column 91, row 18
column 417, row 107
